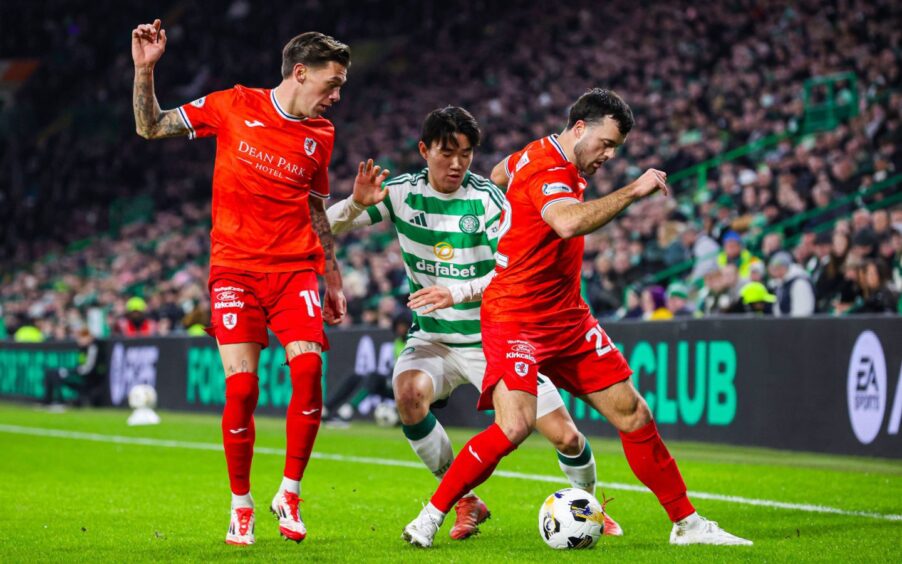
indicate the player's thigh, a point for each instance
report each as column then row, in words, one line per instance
column 465, row 365
column 420, row 369
column 239, row 357
column 295, row 310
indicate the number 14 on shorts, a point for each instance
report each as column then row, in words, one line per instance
column 311, row 298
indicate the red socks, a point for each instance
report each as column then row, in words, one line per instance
column 652, row 464
column 472, row 466
column 305, row 412
column 238, row 428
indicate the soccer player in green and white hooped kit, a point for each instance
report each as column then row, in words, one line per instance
column 447, row 219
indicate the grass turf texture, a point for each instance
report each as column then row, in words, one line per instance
column 72, row 500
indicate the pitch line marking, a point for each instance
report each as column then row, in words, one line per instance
column 144, row 441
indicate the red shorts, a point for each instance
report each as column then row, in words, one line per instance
column 578, row 357
column 244, row 303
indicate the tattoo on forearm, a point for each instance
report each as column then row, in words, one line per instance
column 150, row 121
column 320, row 222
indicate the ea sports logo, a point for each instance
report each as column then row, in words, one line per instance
column 443, row 250
column 866, row 387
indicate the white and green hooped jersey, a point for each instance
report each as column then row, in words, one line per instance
column 446, row 239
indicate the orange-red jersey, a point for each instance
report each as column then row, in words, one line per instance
column 537, row 273
column 268, row 164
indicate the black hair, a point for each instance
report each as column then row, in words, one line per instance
column 442, row 124
column 598, row 103
column 313, row 49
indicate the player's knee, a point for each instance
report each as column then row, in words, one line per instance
column 569, row 442
column 637, row 415
column 412, row 397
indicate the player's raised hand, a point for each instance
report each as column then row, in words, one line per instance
column 432, row 298
column 368, row 190
column 650, row 182
column 148, row 43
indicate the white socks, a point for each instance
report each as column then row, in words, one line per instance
column 242, row 500
column 580, row 468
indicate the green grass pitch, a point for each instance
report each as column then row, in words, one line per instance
column 79, row 494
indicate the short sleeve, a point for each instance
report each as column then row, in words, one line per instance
column 204, row 116
column 553, row 186
column 493, row 212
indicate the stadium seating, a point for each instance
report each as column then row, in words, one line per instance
column 784, row 120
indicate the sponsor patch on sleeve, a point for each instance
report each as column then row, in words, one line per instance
column 556, row 188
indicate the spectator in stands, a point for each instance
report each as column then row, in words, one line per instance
column 631, row 310
column 28, row 333
column 771, row 244
column 135, row 323
column 735, row 253
column 678, row 301
column 654, row 304
column 876, row 294
column 703, row 250
column 754, row 298
column 794, row 291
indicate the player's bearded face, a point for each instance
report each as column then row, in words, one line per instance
column 448, row 163
column 596, row 145
column 320, row 88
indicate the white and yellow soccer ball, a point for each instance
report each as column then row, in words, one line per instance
column 571, row 518
column 142, row 396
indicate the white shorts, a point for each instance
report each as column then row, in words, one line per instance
column 450, row 367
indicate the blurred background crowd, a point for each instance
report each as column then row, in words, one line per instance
column 779, row 124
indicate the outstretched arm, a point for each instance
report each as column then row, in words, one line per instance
column 148, row 45
column 334, row 304
column 347, row 214
column 572, row 219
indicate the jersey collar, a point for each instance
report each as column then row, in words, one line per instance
column 281, row 112
column 553, row 139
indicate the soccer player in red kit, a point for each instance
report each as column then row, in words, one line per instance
column 270, row 240
column 534, row 319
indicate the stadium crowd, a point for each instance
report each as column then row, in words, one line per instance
column 700, row 82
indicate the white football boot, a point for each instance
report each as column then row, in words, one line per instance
column 285, row 507
column 695, row 529
column 241, row 527
column 422, row 530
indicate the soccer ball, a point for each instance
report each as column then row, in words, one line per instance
column 142, row 396
column 571, row 518
column 386, row 414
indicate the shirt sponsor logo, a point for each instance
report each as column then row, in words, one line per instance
column 556, row 188
column 274, row 165
column 447, row 270
column 199, row 103
column 223, row 305
column 309, row 146
column 469, row 224
column 443, row 250
column 230, row 320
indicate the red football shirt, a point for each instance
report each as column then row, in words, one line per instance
column 537, row 273
column 268, row 164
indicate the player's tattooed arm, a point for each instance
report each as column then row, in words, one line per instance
column 570, row 218
column 334, row 304
column 151, row 122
